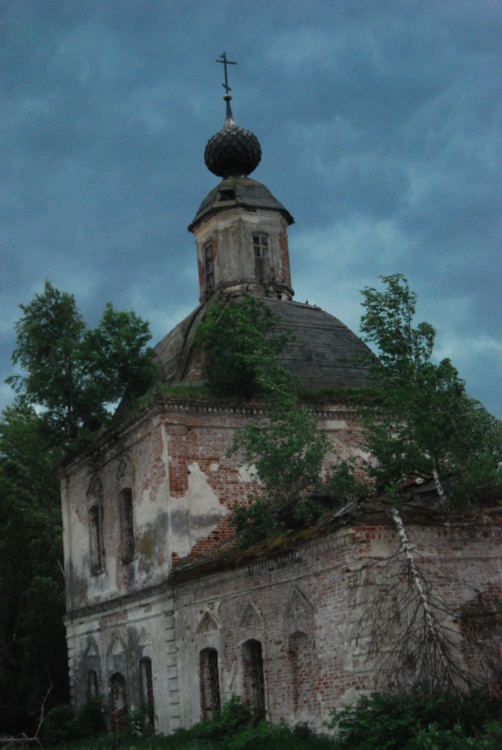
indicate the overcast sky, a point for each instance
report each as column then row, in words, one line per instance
column 380, row 125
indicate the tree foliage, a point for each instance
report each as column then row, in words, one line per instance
column 423, row 423
column 242, row 347
column 287, row 448
column 72, row 376
column 75, row 373
column 418, row 720
column 32, row 638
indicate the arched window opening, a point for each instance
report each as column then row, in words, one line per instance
column 92, row 683
column 96, row 539
column 118, row 702
column 127, row 525
column 261, row 247
column 146, row 676
column 254, row 682
column 208, row 266
column 210, row 700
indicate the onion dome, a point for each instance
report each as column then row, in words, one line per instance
column 232, row 151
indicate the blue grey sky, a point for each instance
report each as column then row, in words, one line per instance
column 380, row 124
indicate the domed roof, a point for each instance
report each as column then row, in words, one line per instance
column 232, row 151
column 324, row 353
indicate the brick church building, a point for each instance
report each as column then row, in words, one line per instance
column 158, row 617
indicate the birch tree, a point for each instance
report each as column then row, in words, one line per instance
column 421, row 422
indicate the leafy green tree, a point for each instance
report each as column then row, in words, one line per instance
column 242, row 348
column 73, row 373
column 32, row 639
column 72, row 378
column 287, row 448
column 421, row 423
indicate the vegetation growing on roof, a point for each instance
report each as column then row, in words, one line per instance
column 241, row 347
column 423, row 423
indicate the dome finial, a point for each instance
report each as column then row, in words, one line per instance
column 233, row 150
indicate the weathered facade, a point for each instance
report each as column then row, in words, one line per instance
column 285, row 631
column 160, row 490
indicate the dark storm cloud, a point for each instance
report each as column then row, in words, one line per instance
column 380, row 128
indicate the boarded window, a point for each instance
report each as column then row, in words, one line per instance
column 209, row 683
column 127, row 525
column 254, row 683
column 261, row 247
column 118, row 702
column 208, row 266
column 146, row 676
column 96, row 539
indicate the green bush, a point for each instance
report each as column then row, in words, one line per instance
column 63, row 724
column 253, row 523
column 60, row 725
column 90, row 719
column 418, row 720
column 256, row 737
column 232, row 717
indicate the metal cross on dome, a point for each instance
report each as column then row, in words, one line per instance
column 225, row 62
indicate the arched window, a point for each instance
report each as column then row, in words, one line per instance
column 118, row 702
column 96, row 539
column 254, row 683
column 92, row 683
column 146, row 676
column 208, row 265
column 210, row 700
column 127, row 525
column 261, row 247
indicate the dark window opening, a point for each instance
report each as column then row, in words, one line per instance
column 227, row 195
column 92, row 683
column 210, row 700
column 96, row 539
column 261, row 247
column 145, row 667
column 118, row 702
column 254, row 682
column 208, row 266
column 127, row 525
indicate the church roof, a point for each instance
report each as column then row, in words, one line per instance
column 239, row 192
column 323, row 354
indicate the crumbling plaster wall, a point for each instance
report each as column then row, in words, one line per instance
column 174, row 458
column 133, row 459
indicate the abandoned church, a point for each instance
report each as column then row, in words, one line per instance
column 157, row 617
